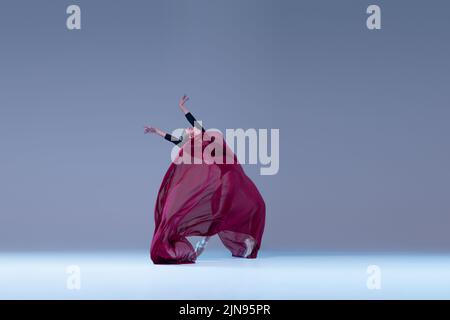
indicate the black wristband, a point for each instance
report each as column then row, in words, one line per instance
column 193, row 121
column 172, row 139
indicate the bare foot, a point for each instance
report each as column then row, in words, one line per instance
column 250, row 244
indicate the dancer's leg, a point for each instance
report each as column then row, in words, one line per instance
column 200, row 246
column 240, row 244
column 249, row 244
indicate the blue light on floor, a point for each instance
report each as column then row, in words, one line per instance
column 274, row 275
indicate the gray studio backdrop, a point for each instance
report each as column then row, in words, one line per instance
column 363, row 117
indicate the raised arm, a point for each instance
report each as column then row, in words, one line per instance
column 189, row 115
column 163, row 134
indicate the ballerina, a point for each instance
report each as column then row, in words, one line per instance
column 203, row 200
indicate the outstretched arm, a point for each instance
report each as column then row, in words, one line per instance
column 163, row 134
column 182, row 102
column 189, row 115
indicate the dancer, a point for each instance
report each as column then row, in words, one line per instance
column 204, row 199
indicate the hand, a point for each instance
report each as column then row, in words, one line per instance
column 183, row 100
column 149, row 130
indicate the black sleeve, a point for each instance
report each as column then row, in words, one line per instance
column 171, row 138
column 193, row 121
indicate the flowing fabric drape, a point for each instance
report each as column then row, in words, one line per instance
column 204, row 199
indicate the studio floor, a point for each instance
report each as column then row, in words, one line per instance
column 216, row 275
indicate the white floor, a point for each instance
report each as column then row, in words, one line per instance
column 274, row 275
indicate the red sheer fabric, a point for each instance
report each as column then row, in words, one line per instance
column 203, row 200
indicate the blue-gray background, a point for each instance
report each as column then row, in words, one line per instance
column 363, row 117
